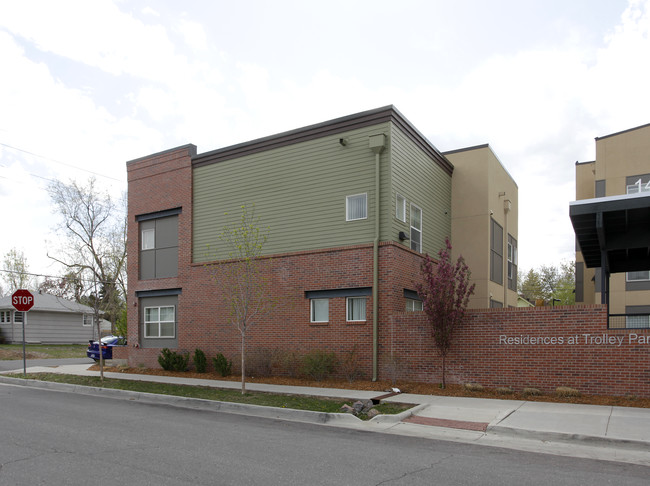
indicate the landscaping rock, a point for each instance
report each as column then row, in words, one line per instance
column 373, row 412
column 347, row 409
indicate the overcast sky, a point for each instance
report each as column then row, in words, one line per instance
column 87, row 85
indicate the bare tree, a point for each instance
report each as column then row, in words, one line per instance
column 242, row 278
column 16, row 273
column 94, row 229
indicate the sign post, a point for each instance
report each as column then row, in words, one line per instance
column 23, row 300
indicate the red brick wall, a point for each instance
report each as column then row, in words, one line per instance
column 481, row 353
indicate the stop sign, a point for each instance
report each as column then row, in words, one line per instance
column 22, row 300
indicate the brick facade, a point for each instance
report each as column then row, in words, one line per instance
column 571, row 347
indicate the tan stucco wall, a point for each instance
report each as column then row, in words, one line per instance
column 477, row 183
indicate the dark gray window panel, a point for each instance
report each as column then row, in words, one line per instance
column 580, row 282
column 158, row 293
column 496, row 252
column 411, row 294
column 159, row 214
column 171, row 343
column 162, row 260
column 640, row 285
column 495, row 304
column 600, row 188
column 331, row 293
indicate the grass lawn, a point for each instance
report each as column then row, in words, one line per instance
column 43, row 351
column 297, row 402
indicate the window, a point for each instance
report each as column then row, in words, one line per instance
column 148, row 239
column 158, row 247
column 512, row 263
column 641, row 276
column 18, row 317
column 416, row 228
column 159, row 322
column 637, row 322
column 5, row 316
column 88, row 320
column 320, row 310
column 356, row 207
column 639, row 186
column 496, row 252
column 413, row 305
column 400, row 207
column 356, row 308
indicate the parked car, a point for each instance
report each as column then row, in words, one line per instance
column 108, row 342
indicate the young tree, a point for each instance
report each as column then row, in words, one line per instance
column 16, row 271
column 445, row 291
column 94, row 228
column 242, row 279
column 550, row 284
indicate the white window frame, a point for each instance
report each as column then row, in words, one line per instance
column 87, row 320
column 400, row 207
column 312, row 310
column 418, row 245
column 512, row 260
column 159, row 322
column 638, row 187
column 148, row 239
column 349, row 306
column 5, row 316
column 628, row 279
column 18, row 316
column 347, row 206
column 414, row 305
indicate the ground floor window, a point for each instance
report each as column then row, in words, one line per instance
column 320, row 310
column 88, row 320
column 5, row 316
column 356, row 308
column 159, row 322
column 18, row 316
column 413, row 305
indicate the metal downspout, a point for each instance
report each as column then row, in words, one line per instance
column 376, row 144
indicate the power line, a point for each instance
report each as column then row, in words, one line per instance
column 58, row 162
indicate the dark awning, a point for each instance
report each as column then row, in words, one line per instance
column 615, row 229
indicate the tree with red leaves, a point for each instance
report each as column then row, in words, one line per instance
column 445, row 291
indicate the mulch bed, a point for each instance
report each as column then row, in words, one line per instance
column 383, row 386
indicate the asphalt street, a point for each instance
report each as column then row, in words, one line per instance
column 57, row 438
column 17, row 364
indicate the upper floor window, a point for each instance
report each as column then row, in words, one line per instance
column 496, row 252
column 159, row 244
column 356, row 207
column 413, row 305
column 641, row 185
column 416, row 228
column 512, row 263
column 641, row 276
column 400, row 207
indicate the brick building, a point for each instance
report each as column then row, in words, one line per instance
column 352, row 205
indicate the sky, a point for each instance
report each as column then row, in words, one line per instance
column 88, row 85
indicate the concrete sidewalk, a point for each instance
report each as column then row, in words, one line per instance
column 603, row 432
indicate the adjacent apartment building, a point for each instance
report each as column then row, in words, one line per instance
column 352, row 205
column 622, row 166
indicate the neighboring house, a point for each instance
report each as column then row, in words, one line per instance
column 52, row 320
column 619, row 176
column 352, row 205
column 484, row 224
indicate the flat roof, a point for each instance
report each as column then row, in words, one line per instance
column 613, row 232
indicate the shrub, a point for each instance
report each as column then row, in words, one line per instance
column 473, row 387
column 259, row 361
column 529, row 391
column 318, row 364
column 173, row 361
column 565, row 391
column 350, row 365
column 200, row 361
column 288, row 361
column 222, row 365
column 505, row 390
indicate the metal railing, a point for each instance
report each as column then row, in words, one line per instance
column 628, row 321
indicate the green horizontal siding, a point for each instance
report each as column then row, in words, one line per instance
column 298, row 191
column 423, row 183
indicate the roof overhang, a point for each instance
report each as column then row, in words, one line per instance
column 613, row 232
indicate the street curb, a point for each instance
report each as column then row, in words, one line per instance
column 591, row 440
column 308, row 416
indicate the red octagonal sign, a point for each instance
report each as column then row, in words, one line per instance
column 22, row 300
